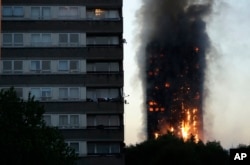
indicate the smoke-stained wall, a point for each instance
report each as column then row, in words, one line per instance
column 172, row 55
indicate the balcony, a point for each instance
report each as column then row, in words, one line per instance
column 90, row 80
column 84, row 107
column 89, row 53
column 103, row 26
column 23, row 79
column 94, row 134
column 104, row 80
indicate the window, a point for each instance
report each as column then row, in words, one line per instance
column 68, row 11
column 46, row 12
column 35, row 12
column 41, row 39
column 74, row 93
column 18, row 66
column 102, row 120
column 91, row 95
column 114, row 148
column 45, row 94
column 12, row 66
column 63, row 39
column 18, row 39
column 103, row 148
column 35, row 66
column 12, row 39
column 35, row 92
column 74, row 121
column 100, row 14
column 42, row 94
column 71, row 39
column 38, row 66
column 19, row 92
column 69, row 94
column 107, row 93
column 109, row 40
column 63, row 93
column 63, row 121
column 46, row 66
column 40, row 12
column 7, row 66
column 91, row 121
column 69, row 121
column 47, row 119
column 91, row 148
column 102, row 94
column 114, row 67
column 7, row 39
column 16, row 11
column 75, row 146
column 114, row 120
column 107, row 121
column 7, row 11
column 74, row 66
column 113, row 14
column 103, row 67
column 63, row 66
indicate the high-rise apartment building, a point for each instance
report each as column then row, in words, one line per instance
column 69, row 55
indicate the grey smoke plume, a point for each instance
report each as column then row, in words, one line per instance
column 172, row 46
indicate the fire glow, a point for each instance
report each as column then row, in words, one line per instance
column 174, row 98
column 174, row 44
column 188, row 126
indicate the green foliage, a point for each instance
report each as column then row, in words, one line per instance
column 169, row 149
column 24, row 136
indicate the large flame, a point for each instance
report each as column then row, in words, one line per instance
column 181, row 113
column 187, row 127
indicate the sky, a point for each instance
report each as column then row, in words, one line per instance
column 227, row 103
column 133, row 111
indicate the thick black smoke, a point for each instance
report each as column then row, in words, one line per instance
column 172, row 57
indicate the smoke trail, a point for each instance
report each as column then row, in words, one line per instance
column 172, row 47
column 228, row 76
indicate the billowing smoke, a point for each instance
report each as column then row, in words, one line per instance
column 227, row 105
column 172, row 58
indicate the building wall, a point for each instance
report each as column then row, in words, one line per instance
column 69, row 56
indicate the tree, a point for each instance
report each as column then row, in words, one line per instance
column 24, row 136
column 169, row 149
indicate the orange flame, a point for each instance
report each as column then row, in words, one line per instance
column 167, row 85
column 156, row 135
column 189, row 125
column 196, row 49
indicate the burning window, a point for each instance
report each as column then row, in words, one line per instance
column 99, row 12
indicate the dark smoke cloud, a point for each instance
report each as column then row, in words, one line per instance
column 169, row 33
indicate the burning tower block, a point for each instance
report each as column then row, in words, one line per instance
column 173, row 48
column 174, row 90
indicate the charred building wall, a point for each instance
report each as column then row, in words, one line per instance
column 175, row 62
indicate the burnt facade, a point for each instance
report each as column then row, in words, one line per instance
column 174, row 90
column 69, row 55
column 175, row 61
